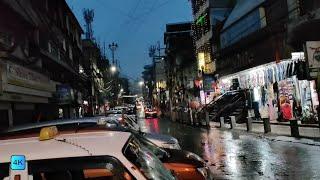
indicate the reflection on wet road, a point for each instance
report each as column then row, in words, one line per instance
column 238, row 155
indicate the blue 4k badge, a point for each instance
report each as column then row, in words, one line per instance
column 18, row 162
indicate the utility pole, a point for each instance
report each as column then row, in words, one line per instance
column 113, row 47
column 88, row 15
column 155, row 53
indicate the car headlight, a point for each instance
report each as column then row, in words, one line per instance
column 172, row 146
column 194, row 156
column 204, row 172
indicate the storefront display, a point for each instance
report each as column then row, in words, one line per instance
column 279, row 91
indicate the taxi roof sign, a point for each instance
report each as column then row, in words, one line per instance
column 47, row 133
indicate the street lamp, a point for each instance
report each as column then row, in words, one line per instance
column 113, row 48
column 141, row 83
column 113, row 69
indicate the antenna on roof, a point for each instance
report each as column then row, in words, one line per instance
column 88, row 15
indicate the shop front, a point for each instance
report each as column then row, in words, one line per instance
column 69, row 101
column 24, row 94
column 277, row 91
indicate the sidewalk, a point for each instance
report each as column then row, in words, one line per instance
column 282, row 130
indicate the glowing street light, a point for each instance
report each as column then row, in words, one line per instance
column 141, row 83
column 121, row 90
column 113, row 69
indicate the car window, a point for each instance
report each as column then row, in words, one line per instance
column 86, row 168
column 151, row 167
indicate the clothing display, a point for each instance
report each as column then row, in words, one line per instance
column 278, row 90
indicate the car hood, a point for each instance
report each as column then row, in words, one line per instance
column 161, row 137
column 181, row 156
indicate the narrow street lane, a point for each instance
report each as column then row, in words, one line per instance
column 238, row 155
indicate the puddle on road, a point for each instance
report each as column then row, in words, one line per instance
column 234, row 155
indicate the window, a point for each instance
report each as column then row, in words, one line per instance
column 6, row 39
column 83, row 168
column 146, row 161
column 49, row 47
column 70, row 52
column 64, row 45
column 67, row 23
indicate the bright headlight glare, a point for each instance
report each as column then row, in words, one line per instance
column 203, row 171
column 194, row 156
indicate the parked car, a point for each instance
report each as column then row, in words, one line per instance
column 161, row 140
column 151, row 112
column 80, row 155
column 184, row 164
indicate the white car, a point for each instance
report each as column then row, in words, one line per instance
column 79, row 155
column 161, row 140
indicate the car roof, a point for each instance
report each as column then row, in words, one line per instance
column 50, row 123
column 65, row 145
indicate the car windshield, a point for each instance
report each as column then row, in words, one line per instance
column 146, row 161
column 159, row 152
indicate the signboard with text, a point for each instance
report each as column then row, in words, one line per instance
column 21, row 76
column 64, row 94
column 313, row 51
column 207, row 83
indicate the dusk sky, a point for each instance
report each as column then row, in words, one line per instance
column 133, row 24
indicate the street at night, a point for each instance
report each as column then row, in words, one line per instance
column 239, row 155
column 159, row 89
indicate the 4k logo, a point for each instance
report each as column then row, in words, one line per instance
column 18, row 162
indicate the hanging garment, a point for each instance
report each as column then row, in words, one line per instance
column 283, row 70
column 302, row 71
column 289, row 69
column 270, row 75
column 295, row 69
column 278, row 72
column 263, row 110
column 263, row 96
column 275, row 87
column 286, row 111
column 292, row 69
column 275, row 73
column 266, row 77
column 305, row 72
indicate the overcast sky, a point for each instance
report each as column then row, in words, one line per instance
column 133, row 24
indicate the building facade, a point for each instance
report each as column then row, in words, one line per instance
column 264, row 50
column 40, row 56
column 208, row 15
column 180, row 65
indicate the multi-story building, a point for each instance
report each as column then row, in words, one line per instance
column 303, row 30
column 40, row 51
column 92, row 56
column 180, row 64
column 148, row 78
column 208, row 15
column 268, row 48
column 253, row 34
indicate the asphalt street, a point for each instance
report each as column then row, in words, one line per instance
column 239, row 155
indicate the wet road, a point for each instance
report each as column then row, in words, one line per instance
column 238, row 155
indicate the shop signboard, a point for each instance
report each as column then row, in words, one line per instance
column 23, row 77
column 313, row 51
column 207, row 83
column 64, row 94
